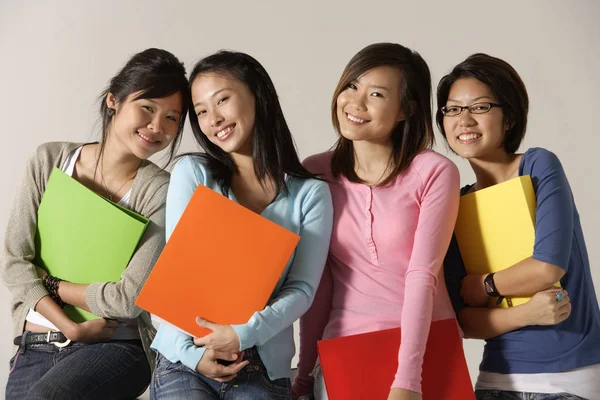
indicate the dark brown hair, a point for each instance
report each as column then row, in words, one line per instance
column 411, row 136
column 506, row 85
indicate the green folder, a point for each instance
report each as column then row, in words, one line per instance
column 82, row 237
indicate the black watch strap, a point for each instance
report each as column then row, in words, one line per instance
column 490, row 288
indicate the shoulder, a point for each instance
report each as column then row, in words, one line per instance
column 538, row 158
column 430, row 165
column 309, row 191
column 429, row 159
column 152, row 176
column 319, row 163
column 191, row 166
column 52, row 153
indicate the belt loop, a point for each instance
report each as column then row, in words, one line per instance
column 23, row 346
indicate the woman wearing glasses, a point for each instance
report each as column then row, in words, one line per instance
column 532, row 351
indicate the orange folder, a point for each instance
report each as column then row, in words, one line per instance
column 364, row 366
column 222, row 262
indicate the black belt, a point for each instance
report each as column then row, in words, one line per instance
column 56, row 338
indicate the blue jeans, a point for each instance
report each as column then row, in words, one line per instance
column 173, row 381
column 505, row 395
column 111, row 370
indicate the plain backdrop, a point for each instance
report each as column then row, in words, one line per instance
column 57, row 56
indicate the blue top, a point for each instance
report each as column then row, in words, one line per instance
column 575, row 342
column 306, row 209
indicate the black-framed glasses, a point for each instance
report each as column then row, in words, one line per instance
column 477, row 108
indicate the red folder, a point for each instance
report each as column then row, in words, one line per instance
column 222, row 263
column 364, row 366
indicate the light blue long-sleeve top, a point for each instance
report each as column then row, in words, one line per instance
column 306, row 209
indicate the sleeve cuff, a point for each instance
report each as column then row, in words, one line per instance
column 36, row 294
column 246, row 335
column 90, row 297
column 191, row 356
column 550, row 260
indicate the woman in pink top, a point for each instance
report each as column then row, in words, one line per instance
column 395, row 204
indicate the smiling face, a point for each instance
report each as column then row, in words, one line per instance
column 474, row 135
column 225, row 108
column 369, row 108
column 145, row 126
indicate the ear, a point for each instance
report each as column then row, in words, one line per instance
column 508, row 125
column 111, row 101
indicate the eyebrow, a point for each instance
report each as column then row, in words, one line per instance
column 373, row 86
column 379, row 87
column 212, row 95
column 475, row 99
column 154, row 102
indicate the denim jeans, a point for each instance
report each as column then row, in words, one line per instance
column 173, row 381
column 110, row 370
column 505, row 395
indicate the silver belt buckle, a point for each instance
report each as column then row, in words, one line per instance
column 57, row 344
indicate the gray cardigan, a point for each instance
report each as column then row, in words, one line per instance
column 105, row 299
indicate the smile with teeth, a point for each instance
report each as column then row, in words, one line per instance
column 148, row 139
column 469, row 136
column 224, row 132
column 356, row 119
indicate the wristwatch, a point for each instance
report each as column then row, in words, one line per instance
column 490, row 286
column 491, row 290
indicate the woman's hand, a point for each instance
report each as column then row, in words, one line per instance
column 211, row 368
column 544, row 309
column 94, row 331
column 403, row 394
column 223, row 337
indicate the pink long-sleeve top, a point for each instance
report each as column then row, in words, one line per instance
column 385, row 262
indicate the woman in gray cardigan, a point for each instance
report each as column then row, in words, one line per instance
column 143, row 112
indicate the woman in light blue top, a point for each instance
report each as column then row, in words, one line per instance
column 250, row 158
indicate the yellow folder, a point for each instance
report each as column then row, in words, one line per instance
column 82, row 237
column 495, row 228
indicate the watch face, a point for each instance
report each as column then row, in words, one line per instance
column 489, row 290
column 488, row 287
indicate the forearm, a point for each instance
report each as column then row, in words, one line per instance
column 74, row 294
column 485, row 323
column 416, row 321
column 53, row 313
column 527, row 277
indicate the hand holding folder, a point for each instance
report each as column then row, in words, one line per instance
column 363, row 366
column 82, row 237
column 222, row 263
column 495, row 228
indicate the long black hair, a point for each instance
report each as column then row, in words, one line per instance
column 273, row 151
